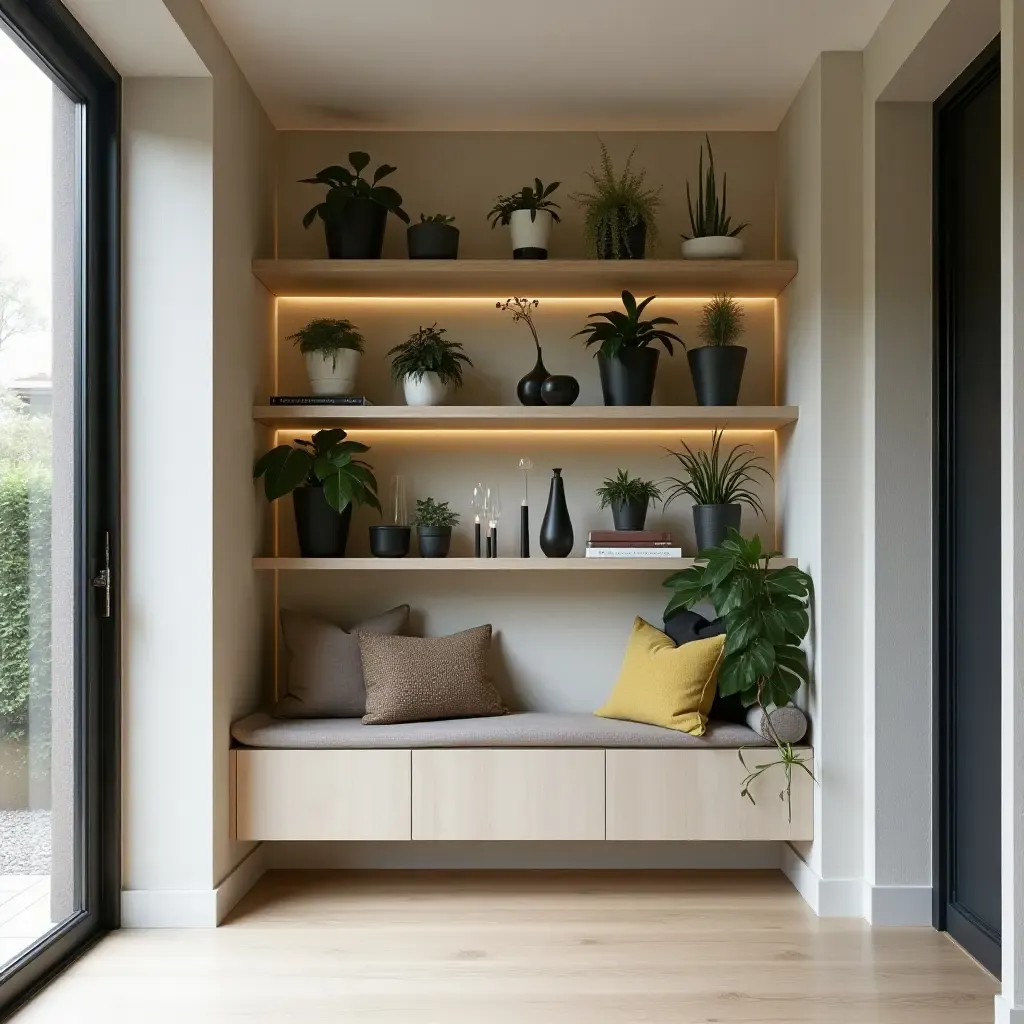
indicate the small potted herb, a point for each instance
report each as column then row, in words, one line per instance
column 626, row 358
column 528, row 214
column 719, row 485
column 629, row 498
column 717, row 365
column 714, row 237
column 325, row 481
column 619, row 212
column 434, row 238
column 427, row 365
column 332, row 349
column 434, row 522
column 355, row 211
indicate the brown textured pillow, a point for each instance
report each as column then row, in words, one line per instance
column 418, row 679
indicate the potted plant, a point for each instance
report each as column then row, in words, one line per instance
column 619, row 212
column 427, row 365
column 325, row 480
column 714, row 237
column 434, row 238
column 528, row 214
column 355, row 211
column 766, row 620
column 434, row 522
column 717, row 365
column 332, row 349
column 626, row 359
column 629, row 498
column 719, row 486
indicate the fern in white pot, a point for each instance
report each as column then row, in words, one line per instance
column 427, row 365
column 332, row 349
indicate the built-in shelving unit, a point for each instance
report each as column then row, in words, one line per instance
column 518, row 417
column 537, row 278
column 539, row 564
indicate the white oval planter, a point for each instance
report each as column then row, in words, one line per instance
column 713, row 247
column 530, row 237
column 332, row 373
column 427, row 390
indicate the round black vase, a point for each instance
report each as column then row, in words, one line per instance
column 717, row 372
column 628, row 378
column 556, row 528
column 560, row 389
column 431, row 240
column 629, row 515
column 323, row 533
column 711, row 523
column 632, row 242
column 355, row 229
column 434, row 541
column 528, row 389
column 390, row 541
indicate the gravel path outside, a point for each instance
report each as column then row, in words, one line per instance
column 24, row 842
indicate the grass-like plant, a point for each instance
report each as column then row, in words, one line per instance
column 616, row 204
column 721, row 321
column 627, row 330
column 429, row 351
column 328, row 336
column 623, row 489
column 435, row 513
column 344, row 184
column 531, row 197
column 327, row 461
column 713, row 478
column 436, row 218
column 710, row 216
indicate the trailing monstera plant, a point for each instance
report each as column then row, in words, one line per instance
column 765, row 614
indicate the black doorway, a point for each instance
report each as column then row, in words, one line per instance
column 967, row 515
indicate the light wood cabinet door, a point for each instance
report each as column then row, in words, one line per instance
column 695, row 794
column 508, row 794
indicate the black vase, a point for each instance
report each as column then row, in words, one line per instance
column 629, row 515
column 434, row 541
column 323, row 533
column 628, row 378
column 560, row 389
column 717, row 371
column 632, row 242
column 556, row 529
column 355, row 229
column 711, row 523
column 432, row 240
column 390, row 541
column 528, row 389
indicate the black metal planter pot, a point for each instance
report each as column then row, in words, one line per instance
column 434, row 541
column 632, row 243
column 628, row 378
column 323, row 533
column 433, row 241
column 711, row 523
column 629, row 515
column 717, row 372
column 356, row 230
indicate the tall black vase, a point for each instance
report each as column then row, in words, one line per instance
column 556, row 530
column 528, row 389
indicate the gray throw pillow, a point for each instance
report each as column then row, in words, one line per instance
column 325, row 670
column 789, row 724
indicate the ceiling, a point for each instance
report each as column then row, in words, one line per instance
column 535, row 64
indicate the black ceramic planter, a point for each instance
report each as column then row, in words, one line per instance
column 711, row 523
column 629, row 515
column 717, row 371
column 556, row 536
column 356, row 231
column 434, row 541
column 323, row 533
column 560, row 389
column 628, row 378
column 632, row 245
column 390, row 541
column 528, row 389
column 431, row 240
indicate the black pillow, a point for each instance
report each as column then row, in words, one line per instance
column 683, row 627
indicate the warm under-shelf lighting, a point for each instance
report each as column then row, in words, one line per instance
column 576, row 299
column 597, row 433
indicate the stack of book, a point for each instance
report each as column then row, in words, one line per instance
column 631, row 544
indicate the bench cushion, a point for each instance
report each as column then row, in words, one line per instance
column 527, row 729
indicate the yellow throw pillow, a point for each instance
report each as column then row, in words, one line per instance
column 665, row 685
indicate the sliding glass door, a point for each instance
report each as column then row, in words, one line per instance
column 58, row 492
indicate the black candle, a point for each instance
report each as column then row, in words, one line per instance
column 524, row 531
column 476, row 538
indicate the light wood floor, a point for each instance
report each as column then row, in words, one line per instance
column 584, row 948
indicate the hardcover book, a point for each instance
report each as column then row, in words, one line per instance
column 629, row 536
column 319, row 400
column 621, row 552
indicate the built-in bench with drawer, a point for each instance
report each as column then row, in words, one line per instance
column 529, row 776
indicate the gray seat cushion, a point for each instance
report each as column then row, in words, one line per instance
column 528, row 729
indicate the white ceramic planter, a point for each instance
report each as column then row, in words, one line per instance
column 332, row 373
column 530, row 237
column 427, row 390
column 713, row 247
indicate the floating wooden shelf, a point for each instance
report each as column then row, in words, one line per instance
column 538, row 564
column 537, row 278
column 520, row 417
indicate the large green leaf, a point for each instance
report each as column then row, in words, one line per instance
column 286, row 473
column 359, row 160
column 788, row 580
column 323, row 440
column 338, row 491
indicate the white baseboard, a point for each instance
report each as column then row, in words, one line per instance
column 903, row 906
column 191, row 908
column 827, row 897
column 1007, row 1013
